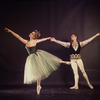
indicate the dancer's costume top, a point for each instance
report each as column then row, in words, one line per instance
column 39, row 65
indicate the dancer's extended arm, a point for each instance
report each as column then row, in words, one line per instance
column 83, row 43
column 65, row 44
column 16, row 35
column 43, row 39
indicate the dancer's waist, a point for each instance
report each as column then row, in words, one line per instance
column 75, row 56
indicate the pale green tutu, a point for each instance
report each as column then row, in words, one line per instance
column 40, row 65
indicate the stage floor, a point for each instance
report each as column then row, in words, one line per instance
column 49, row 93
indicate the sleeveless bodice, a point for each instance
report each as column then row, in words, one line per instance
column 31, row 50
column 72, row 51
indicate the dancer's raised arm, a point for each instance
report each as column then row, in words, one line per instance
column 43, row 39
column 83, row 43
column 65, row 44
column 16, row 35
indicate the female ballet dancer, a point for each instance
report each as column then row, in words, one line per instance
column 39, row 64
column 75, row 57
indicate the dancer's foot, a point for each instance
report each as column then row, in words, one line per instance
column 66, row 62
column 91, row 87
column 38, row 89
column 74, row 87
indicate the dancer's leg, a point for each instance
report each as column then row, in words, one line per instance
column 66, row 62
column 81, row 66
column 76, row 76
column 38, row 86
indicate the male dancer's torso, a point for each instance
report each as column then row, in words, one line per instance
column 75, row 49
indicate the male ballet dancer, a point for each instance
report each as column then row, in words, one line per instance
column 75, row 57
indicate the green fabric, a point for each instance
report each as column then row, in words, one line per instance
column 31, row 50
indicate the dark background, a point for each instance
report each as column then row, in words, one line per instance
column 56, row 18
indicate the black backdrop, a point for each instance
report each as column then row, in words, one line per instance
column 57, row 18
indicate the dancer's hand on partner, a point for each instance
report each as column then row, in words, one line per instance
column 53, row 39
column 49, row 38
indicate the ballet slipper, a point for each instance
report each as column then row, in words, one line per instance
column 91, row 87
column 74, row 87
column 68, row 63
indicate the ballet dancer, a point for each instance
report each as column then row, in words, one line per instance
column 39, row 64
column 75, row 57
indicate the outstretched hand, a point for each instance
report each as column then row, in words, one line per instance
column 49, row 38
column 52, row 39
column 7, row 30
column 98, row 34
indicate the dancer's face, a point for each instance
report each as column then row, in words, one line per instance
column 73, row 37
column 32, row 35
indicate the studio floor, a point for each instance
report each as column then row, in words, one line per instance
column 49, row 93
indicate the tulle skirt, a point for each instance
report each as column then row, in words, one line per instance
column 40, row 65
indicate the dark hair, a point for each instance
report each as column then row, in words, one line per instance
column 37, row 34
column 75, row 35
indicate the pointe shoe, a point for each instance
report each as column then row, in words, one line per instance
column 91, row 87
column 68, row 63
column 74, row 87
column 38, row 89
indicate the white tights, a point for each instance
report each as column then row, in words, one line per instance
column 75, row 64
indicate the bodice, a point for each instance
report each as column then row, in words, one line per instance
column 31, row 50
